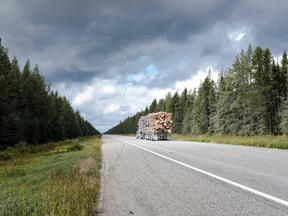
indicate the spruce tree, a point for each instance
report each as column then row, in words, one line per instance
column 197, row 126
column 160, row 105
column 153, row 106
column 6, row 107
column 260, row 87
column 213, row 108
column 205, row 106
column 182, row 106
column 284, row 118
column 284, row 77
column 176, row 113
column 247, row 94
column 29, row 112
column 201, row 113
column 228, row 119
column 276, row 97
column 267, row 91
column 187, row 120
column 168, row 103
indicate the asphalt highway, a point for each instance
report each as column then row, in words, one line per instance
column 188, row 178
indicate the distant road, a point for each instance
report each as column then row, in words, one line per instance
column 188, row 178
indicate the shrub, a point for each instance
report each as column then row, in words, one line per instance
column 75, row 147
column 4, row 156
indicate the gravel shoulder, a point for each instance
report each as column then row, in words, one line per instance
column 135, row 182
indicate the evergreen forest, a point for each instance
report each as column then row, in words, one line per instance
column 249, row 98
column 30, row 112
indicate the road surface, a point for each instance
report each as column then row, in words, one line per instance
column 142, row 177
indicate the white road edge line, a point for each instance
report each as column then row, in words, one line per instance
column 267, row 196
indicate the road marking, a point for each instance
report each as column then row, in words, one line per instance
column 227, row 153
column 259, row 193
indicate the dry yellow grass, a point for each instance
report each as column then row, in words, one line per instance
column 268, row 141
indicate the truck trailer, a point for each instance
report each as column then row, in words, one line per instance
column 155, row 126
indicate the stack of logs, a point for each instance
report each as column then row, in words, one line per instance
column 163, row 121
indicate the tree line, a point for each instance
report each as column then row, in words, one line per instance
column 30, row 111
column 249, row 98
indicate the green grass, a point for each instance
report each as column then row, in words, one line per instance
column 61, row 181
column 268, row 141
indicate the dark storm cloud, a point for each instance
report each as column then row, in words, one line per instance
column 102, row 28
column 142, row 22
column 268, row 20
column 76, row 76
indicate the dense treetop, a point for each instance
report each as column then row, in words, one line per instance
column 249, row 98
column 30, row 111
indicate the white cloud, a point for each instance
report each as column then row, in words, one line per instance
column 109, row 89
column 83, row 97
column 195, row 80
column 240, row 36
column 111, row 109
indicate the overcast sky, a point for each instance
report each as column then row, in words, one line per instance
column 111, row 58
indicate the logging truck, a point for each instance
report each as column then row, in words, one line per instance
column 155, row 126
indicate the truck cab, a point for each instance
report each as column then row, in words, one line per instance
column 139, row 133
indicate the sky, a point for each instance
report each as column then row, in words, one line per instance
column 111, row 58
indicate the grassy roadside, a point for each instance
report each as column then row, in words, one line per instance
column 64, row 180
column 130, row 135
column 268, row 141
